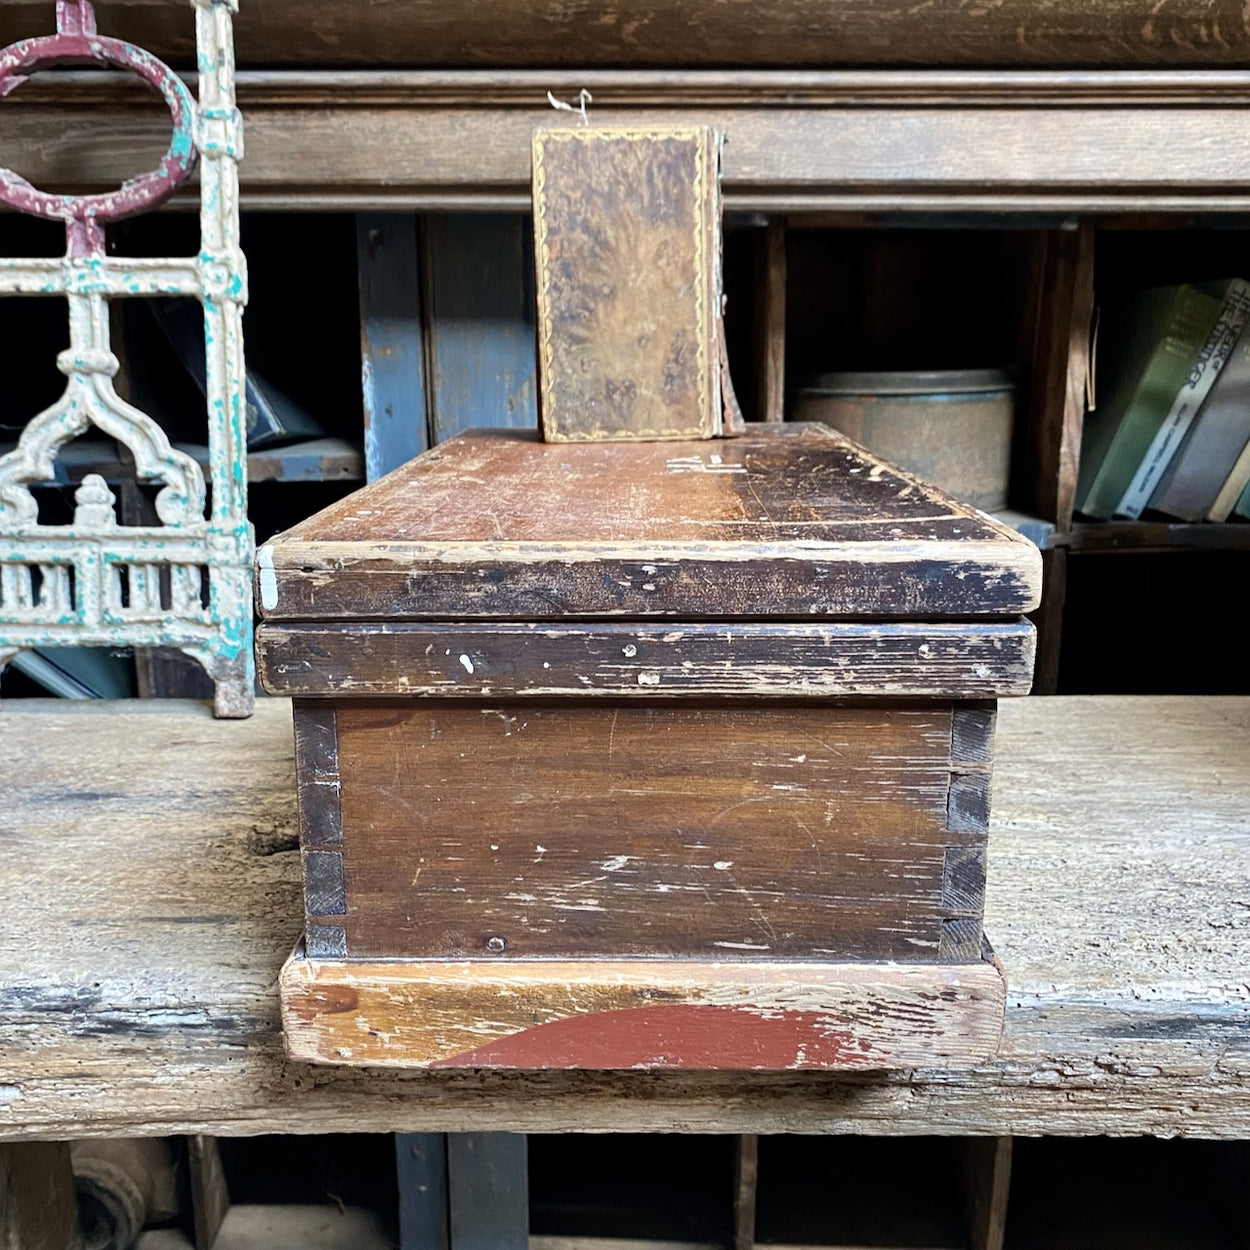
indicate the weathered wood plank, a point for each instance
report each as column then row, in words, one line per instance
column 479, row 283
column 546, row 33
column 783, row 831
column 38, row 1205
column 862, row 142
column 969, row 661
column 746, row 1189
column 770, row 328
column 1058, row 342
column 150, row 857
column 784, row 521
column 987, row 1183
column 392, row 343
column 652, row 1015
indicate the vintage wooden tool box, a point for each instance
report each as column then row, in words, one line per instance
column 645, row 755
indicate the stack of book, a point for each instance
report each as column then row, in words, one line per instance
column 1171, row 434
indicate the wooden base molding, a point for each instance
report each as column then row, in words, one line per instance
column 641, row 1014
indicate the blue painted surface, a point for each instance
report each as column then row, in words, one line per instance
column 391, row 341
column 488, row 1191
column 421, row 1171
column 483, row 359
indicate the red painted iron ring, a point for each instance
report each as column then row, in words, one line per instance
column 19, row 60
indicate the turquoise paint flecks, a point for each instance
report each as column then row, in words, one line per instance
column 220, row 637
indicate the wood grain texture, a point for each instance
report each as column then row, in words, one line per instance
column 38, row 1205
column 983, row 660
column 479, row 295
column 150, row 858
column 652, row 1015
column 789, row 522
column 770, row 327
column 746, row 1189
column 546, row 33
column 1058, row 342
column 591, row 830
column 627, row 245
column 797, row 142
column 987, row 1185
column 392, row 352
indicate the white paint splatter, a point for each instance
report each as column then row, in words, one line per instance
column 268, row 578
column 723, row 865
column 466, row 664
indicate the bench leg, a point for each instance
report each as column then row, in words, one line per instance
column 38, row 1207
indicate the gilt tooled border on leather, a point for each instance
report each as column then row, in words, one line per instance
column 708, row 392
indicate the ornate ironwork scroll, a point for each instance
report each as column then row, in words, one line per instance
column 186, row 582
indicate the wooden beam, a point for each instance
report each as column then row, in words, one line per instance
column 392, row 342
column 488, row 1191
column 771, row 324
column 38, row 1206
column 798, row 142
column 547, row 33
column 987, row 1182
column 421, row 1177
column 746, row 1189
column 164, row 842
column 1063, row 308
column 482, row 353
column 210, row 1197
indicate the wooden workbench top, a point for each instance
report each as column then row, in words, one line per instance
column 152, row 882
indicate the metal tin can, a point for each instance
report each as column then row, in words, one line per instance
column 950, row 427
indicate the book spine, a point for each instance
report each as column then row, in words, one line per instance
column 1215, row 351
column 1232, row 496
column 1211, row 449
column 1161, row 337
column 1243, row 504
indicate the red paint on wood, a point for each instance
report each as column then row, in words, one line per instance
column 679, row 1035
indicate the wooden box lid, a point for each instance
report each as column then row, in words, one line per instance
column 785, row 523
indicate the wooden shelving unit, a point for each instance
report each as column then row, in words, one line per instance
column 1154, row 536
column 162, row 912
column 1120, row 825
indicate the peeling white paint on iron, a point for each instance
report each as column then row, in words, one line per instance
column 95, row 582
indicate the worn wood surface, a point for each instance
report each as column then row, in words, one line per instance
column 392, row 341
column 797, row 141
column 981, row 660
column 746, row 1189
column 709, row 32
column 653, row 1015
column 581, row 829
column 782, row 522
column 209, row 1194
column 478, row 272
column 38, row 1205
column 421, row 1178
column 487, row 1191
column 770, row 323
column 151, row 870
column 627, row 245
column 1100, row 536
column 1057, row 341
column 987, row 1184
